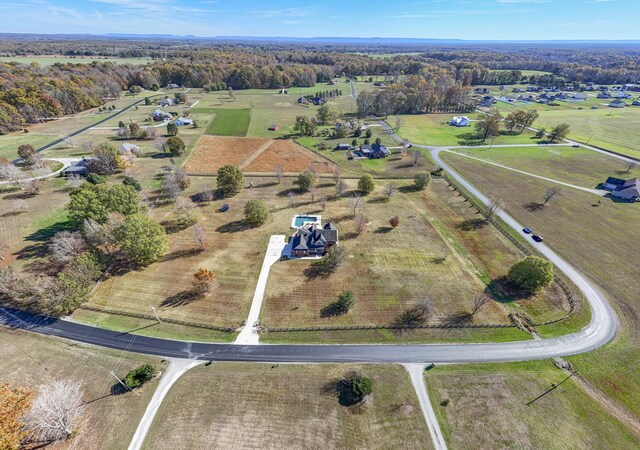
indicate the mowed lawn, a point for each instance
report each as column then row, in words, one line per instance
column 248, row 406
column 493, row 397
column 434, row 129
column 571, row 165
column 229, row 122
column 109, row 421
column 600, row 241
column 432, row 254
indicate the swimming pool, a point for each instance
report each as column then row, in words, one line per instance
column 301, row 220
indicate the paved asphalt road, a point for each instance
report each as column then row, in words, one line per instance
column 600, row 330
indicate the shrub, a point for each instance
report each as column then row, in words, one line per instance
column 230, row 180
column 130, row 181
column 345, row 301
column 94, row 178
column 137, row 377
column 306, row 180
column 394, row 221
column 172, row 129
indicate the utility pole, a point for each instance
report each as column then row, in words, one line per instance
column 124, row 385
column 589, row 140
column 554, row 386
column 153, row 310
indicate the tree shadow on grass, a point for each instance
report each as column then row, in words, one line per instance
column 378, row 200
column 533, row 206
column 234, row 227
column 185, row 253
column 341, row 390
column 408, row 189
column 332, row 310
column 504, row 291
column 383, row 230
column 173, row 226
column 458, row 319
column 472, row 224
column 42, row 238
column 181, row 298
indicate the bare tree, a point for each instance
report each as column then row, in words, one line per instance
column 389, row 189
column 170, row 186
column 65, row 246
column 56, row 411
column 208, row 194
column 494, row 205
column 75, row 181
column 279, row 171
column 185, row 212
column 313, row 190
column 291, row 196
column 399, row 122
column 478, row 302
column 416, row 157
column 161, row 144
column 41, row 171
column 313, row 168
column 404, row 150
column 337, row 174
column 361, row 222
column 182, row 178
column 12, row 173
column 550, row 194
column 200, row 236
column 152, row 132
column 33, row 187
column 356, row 201
column 19, row 206
column 323, row 202
column 341, row 188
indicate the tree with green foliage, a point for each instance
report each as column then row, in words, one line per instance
column 140, row 375
column 306, row 180
column 356, row 387
column 305, row 126
column 344, row 302
column 354, row 143
column 230, row 180
column 175, row 146
column 531, row 274
column 324, row 114
column 368, row 133
column 421, row 180
column 172, row 129
column 490, row 126
column 256, row 213
column 142, row 240
column 366, row 184
column 559, row 132
column 147, row 101
column 96, row 201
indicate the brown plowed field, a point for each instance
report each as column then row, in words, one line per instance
column 291, row 156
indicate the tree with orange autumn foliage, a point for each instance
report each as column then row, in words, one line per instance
column 14, row 405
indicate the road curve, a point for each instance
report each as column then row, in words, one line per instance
column 598, row 332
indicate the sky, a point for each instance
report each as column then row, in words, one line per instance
column 440, row 19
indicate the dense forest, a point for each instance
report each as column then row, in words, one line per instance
column 429, row 78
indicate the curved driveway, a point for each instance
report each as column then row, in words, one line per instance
column 600, row 330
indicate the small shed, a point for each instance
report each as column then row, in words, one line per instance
column 343, row 146
column 127, row 147
column 274, row 127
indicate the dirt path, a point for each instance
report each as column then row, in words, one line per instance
column 259, row 151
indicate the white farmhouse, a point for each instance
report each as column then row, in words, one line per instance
column 460, row 121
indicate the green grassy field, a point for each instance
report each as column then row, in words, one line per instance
column 593, row 237
column 287, row 406
column 109, row 420
column 572, row 165
column 434, row 129
column 230, row 122
column 493, row 398
column 49, row 60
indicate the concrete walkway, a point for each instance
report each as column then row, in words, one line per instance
column 416, row 374
column 249, row 334
column 176, row 368
column 599, row 192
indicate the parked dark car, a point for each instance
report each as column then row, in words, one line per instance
column 225, row 208
column 526, row 230
column 537, row 238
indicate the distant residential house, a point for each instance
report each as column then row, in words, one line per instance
column 314, row 242
column 166, row 102
column 379, row 84
column 460, row 121
column 617, row 104
column 604, row 94
column 343, row 146
column 77, row 168
column 623, row 189
column 486, row 102
column 331, row 83
column 131, row 148
column 160, row 115
column 526, row 98
column 172, row 86
column 374, row 151
column 274, row 127
column 621, row 94
column 318, row 101
column 303, row 100
column 182, row 121
column 636, row 102
column 562, row 96
column 580, row 96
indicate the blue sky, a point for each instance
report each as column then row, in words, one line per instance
column 443, row 19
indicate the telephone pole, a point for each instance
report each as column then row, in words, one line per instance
column 153, row 310
column 124, row 385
